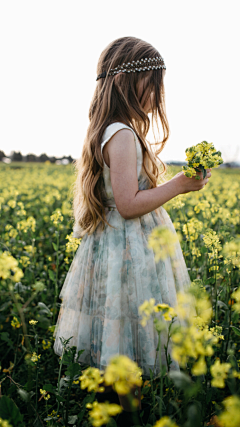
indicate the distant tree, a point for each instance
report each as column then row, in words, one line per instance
column 31, row 158
column 43, row 157
column 16, row 156
column 52, row 159
column 2, row 154
column 70, row 159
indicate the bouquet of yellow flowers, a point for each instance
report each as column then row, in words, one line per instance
column 201, row 157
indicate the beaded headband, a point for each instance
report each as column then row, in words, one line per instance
column 131, row 67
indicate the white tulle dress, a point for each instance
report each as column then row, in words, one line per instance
column 113, row 272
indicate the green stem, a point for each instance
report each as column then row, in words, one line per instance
column 15, row 355
column 59, row 376
column 161, row 381
column 230, row 315
column 168, row 338
column 36, row 343
column 56, row 278
column 156, row 356
column 68, row 396
column 215, row 271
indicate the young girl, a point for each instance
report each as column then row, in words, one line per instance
column 117, row 203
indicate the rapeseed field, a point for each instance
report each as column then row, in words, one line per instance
column 38, row 388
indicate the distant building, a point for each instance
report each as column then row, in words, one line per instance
column 6, row 160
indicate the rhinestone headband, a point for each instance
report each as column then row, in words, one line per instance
column 131, row 67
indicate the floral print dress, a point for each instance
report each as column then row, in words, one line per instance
column 113, row 272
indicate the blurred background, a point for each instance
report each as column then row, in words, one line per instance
column 49, row 52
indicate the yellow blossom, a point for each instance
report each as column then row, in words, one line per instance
column 4, row 423
column 34, row 357
column 123, row 374
column 163, row 242
column 91, row 378
column 33, row 322
column 56, row 217
column 219, row 373
column 45, row 394
column 101, row 412
column 46, row 344
column 9, row 267
column 230, row 417
column 15, row 323
column 165, row 422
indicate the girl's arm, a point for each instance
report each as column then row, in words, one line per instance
column 120, row 153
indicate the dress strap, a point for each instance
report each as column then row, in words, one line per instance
column 114, row 128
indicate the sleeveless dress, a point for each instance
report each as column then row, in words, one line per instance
column 112, row 273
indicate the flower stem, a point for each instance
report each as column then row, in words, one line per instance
column 56, row 278
column 161, row 380
column 36, row 343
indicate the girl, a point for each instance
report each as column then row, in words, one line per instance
column 116, row 205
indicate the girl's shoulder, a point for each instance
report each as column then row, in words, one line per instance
column 112, row 129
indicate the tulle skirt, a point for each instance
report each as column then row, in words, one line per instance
column 113, row 272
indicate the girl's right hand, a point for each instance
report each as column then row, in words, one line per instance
column 191, row 184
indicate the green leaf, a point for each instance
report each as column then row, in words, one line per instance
column 49, row 387
column 111, row 423
column 232, row 359
column 24, row 395
column 236, row 330
column 72, row 419
column 54, row 246
column 60, row 398
column 222, row 304
column 5, row 337
column 180, row 379
column 37, row 423
column 44, row 308
column 51, row 275
column 10, row 412
column 194, row 414
column 73, row 369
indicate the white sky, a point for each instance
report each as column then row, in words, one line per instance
column 49, row 51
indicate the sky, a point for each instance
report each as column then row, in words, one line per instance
column 49, row 52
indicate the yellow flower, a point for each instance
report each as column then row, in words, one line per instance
column 34, row 357
column 4, row 423
column 236, row 296
column 230, row 417
column 211, row 239
column 165, row 422
column 101, row 412
column 12, row 203
column 219, row 373
column 72, row 244
column 10, row 368
column 9, row 267
column 56, row 217
column 167, row 312
column 15, row 323
column 53, row 414
column 123, row 374
column 200, row 367
column 91, row 378
column 146, row 310
column 45, row 394
column 163, row 242
column 33, row 322
column 46, row 344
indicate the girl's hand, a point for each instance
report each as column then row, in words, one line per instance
column 191, row 184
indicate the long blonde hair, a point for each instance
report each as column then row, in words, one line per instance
column 118, row 102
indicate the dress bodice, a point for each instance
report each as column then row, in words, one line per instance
column 143, row 181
